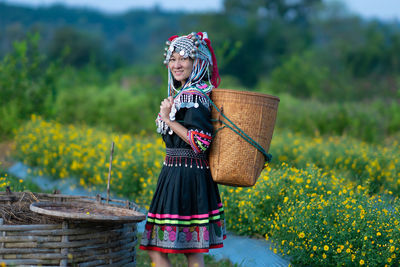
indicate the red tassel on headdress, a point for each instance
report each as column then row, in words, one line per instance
column 215, row 78
column 172, row 37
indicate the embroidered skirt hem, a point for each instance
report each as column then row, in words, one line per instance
column 193, row 250
column 186, row 214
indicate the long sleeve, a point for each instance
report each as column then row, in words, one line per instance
column 198, row 122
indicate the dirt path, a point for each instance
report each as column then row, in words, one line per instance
column 5, row 149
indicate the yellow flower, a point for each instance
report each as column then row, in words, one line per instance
column 348, row 250
column 326, row 247
column 378, row 234
column 302, row 235
column 324, row 255
column 362, row 262
column 314, row 248
column 339, row 250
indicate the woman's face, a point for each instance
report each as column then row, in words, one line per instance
column 181, row 67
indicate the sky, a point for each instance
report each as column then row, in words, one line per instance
column 383, row 9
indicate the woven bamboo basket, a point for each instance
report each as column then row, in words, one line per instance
column 70, row 240
column 233, row 161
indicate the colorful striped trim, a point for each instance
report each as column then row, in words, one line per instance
column 193, row 91
column 198, row 89
column 193, row 96
column 198, row 140
column 202, row 86
column 176, row 216
column 179, row 222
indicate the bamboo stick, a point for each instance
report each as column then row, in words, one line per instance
column 30, row 227
column 6, row 251
column 21, row 245
column 64, row 250
column 109, row 172
column 3, row 234
column 92, row 263
column 46, row 256
column 19, row 262
column 28, row 238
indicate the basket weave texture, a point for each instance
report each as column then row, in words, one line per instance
column 233, row 161
column 70, row 241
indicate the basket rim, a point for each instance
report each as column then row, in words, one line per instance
column 244, row 92
column 40, row 208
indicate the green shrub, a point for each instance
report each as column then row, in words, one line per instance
column 371, row 122
column 302, row 76
column 9, row 118
column 27, row 84
column 111, row 107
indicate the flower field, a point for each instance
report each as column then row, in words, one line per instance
column 84, row 153
column 377, row 166
column 316, row 218
column 322, row 201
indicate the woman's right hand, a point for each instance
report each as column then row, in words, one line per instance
column 165, row 108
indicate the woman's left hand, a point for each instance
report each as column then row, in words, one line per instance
column 165, row 108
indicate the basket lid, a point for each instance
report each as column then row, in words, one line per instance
column 87, row 211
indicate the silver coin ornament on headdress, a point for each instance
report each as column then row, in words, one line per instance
column 191, row 45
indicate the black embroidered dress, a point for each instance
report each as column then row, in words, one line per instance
column 186, row 213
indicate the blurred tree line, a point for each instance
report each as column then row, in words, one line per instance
column 309, row 48
column 83, row 66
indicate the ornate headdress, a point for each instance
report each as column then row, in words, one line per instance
column 198, row 47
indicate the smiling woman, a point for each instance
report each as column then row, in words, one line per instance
column 186, row 214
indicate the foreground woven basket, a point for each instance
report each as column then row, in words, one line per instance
column 233, row 161
column 71, row 242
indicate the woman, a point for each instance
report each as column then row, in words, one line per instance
column 186, row 213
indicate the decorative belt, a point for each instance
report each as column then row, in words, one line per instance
column 185, row 157
column 185, row 152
